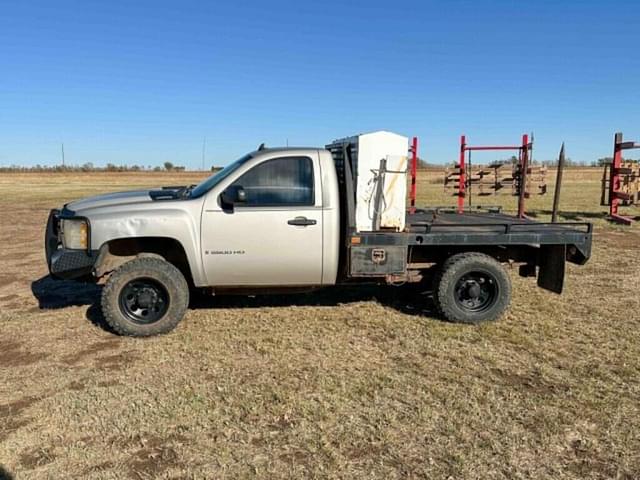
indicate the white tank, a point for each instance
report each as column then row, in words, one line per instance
column 381, row 195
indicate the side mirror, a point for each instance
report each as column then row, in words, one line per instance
column 233, row 195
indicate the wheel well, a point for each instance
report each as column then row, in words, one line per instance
column 116, row 252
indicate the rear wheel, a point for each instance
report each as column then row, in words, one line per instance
column 145, row 296
column 472, row 288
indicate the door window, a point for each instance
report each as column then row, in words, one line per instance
column 286, row 181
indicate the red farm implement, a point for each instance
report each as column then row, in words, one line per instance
column 522, row 178
column 621, row 181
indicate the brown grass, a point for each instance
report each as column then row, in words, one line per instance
column 347, row 384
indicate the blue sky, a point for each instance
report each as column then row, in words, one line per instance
column 144, row 82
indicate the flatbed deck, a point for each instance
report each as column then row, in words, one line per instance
column 435, row 227
column 482, row 221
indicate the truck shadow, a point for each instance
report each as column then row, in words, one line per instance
column 52, row 293
column 5, row 474
column 408, row 300
column 56, row 294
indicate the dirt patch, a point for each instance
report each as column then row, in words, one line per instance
column 14, row 256
column 116, row 362
column 76, row 386
column 16, row 305
column 358, row 453
column 36, row 458
column 99, row 467
column 156, row 456
column 587, row 460
column 530, row 383
column 108, row 383
column 298, row 457
column 15, row 408
column 91, row 351
column 11, row 425
column 627, row 240
column 10, row 419
column 7, row 298
column 6, row 280
column 80, row 385
column 12, row 356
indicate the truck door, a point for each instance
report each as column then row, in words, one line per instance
column 274, row 236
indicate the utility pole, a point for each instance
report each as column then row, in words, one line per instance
column 204, row 146
column 63, row 154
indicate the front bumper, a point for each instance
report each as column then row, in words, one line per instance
column 65, row 263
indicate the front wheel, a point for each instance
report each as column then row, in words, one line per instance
column 472, row 288
column 145, row 296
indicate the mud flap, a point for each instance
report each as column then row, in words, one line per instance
column 552, row 267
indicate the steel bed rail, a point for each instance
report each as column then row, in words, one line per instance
column 578, row 234
column 533, row 227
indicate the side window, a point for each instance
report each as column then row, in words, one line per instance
column 279, row 182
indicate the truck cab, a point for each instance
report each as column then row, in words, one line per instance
column 273, row 221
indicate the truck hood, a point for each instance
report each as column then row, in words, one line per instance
column 135, row 197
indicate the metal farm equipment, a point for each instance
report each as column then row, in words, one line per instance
column 621, row 181
column 520, row 179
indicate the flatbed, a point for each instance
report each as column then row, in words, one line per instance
column 540, row 248
column 435, row 227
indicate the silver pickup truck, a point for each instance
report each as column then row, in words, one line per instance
column 284, row 217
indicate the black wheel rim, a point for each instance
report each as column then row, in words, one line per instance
column 476, row 291
column 144, row 301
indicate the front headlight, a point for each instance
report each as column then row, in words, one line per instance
column 74, row 234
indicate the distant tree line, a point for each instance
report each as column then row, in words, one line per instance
column 90, row 167
column 600, row 162
column 170, row 167
column 569, row 162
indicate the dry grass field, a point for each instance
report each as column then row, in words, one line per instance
column 336, row 384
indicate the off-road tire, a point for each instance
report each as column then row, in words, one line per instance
column 160, row 272
column 452, row 275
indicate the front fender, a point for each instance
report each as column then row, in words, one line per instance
column 173, row 224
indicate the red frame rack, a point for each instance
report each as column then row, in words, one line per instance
column 615, row 195
column 524, row 151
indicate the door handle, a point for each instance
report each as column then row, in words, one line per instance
column 301, row 221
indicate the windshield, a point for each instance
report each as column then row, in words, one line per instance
column 216, row 178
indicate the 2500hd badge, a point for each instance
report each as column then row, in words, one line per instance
column 224, row 252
